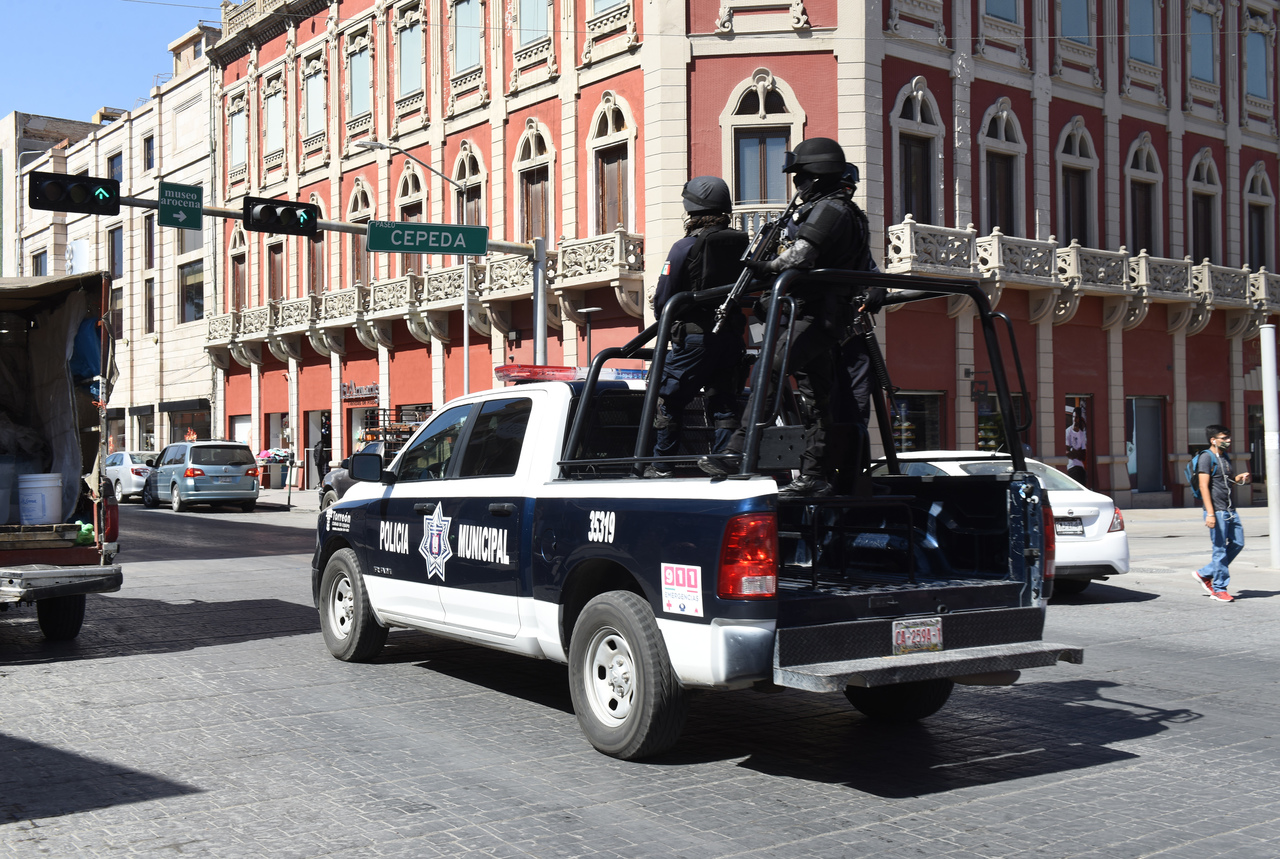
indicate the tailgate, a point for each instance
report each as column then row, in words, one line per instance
column 43, row 581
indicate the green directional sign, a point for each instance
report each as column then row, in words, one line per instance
column 181, row 206
column 401, row 238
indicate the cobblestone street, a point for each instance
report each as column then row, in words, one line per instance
column 200, row 714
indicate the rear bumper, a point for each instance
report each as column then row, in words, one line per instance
column 42, row 581
column 888, row 670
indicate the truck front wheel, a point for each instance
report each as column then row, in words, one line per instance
column 628, row 700
column 351, row 632
column 61, row 617
column 901, row 703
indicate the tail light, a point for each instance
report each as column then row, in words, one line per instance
column 1117, row 521
column 1050, row 541
column 749, row 558
column 141, row 472
column 110, row 520
column 193, row 472
column 253, row 472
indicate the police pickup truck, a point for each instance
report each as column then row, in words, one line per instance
column 517, row 519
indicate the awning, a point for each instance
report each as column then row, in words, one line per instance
column 148, row 409
column 197, row 405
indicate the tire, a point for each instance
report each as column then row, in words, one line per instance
column 351, row 632
column 902, row 703
column 175, row 500
column 248, row 506
column 330, row 498
column 625, row 693
column 119, row 491
column 61, row 617
column 148, row 500
column 1069, row 587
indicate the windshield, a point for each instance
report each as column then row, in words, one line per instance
column 221, row 455
column 1051, row 478
column 140, row 458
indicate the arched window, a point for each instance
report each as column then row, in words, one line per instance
column 1206, row 200
column 316, row 248
column 918, row 137
column 1003, row 152
column 761, row 122
column 360, row 210
column 1077, row 183
column 1259, row 218
column 534, row 181
column 1144, row 188
column 411, row 203
column 612, row 136
column 239, row 270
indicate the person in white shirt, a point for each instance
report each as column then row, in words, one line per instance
column 1077, row 441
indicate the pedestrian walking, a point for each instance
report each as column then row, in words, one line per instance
column 1226, row 533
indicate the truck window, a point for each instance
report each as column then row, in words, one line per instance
column 494, row 447
column 428, row 456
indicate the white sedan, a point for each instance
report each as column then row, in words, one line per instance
column 1091, row 541
column 127, row 471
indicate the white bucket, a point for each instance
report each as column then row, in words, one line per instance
column 40, row 499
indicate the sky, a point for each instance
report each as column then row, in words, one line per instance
column 67, row 58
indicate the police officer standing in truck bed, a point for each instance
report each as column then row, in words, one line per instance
column 709, row 255
column 828, row 231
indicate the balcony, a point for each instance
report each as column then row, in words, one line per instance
column 614, row 260
column 1227, row 287
column 256, row 323
column 222, row 329
column 1264, row 289
column 915, row 248
column 1162, row 280
column 341, row 307
column 394, row 299
column 297, row 315
column 752, row 220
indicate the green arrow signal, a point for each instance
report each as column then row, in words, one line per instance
column 303, row 216
column 102, row 194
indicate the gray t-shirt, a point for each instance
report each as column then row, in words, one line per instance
column 1220, row 482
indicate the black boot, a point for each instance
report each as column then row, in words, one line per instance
column 805, row 486
column 720, row 464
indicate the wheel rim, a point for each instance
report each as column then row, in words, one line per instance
column 119, row 491
column 342, row 607
column 175, row 500
column 610, row 677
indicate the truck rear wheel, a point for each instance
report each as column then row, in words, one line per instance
column 61, row 617
column 625, row 693
column 351, row 632
column 902, row 702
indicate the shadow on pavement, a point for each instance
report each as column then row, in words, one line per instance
column 38, row 781
column 983, row 736
column 1097, row 592
column 120, row 626
column 1254, row 595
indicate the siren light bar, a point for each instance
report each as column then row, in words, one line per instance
column 540, row 373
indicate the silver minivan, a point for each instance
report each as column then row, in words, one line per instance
column 203, row 472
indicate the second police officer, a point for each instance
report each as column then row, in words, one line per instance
column 827, row 231
column 709, row 255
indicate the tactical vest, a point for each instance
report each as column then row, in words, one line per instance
column 714, row 260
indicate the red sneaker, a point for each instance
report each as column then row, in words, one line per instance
column 1223, row 596
column 1205, row 581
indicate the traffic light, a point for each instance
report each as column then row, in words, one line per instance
column 265, row 215
column 60, row 192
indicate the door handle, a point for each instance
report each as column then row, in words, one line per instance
column 502, row 508
column 425, row 507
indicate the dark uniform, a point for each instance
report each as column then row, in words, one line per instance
column 832, row 370
column 699, row 359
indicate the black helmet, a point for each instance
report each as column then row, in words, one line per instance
column 707, row 195
column 821, row 156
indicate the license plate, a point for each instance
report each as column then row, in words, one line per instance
column 224, row 480
column 1069, row 527
column 913, row 636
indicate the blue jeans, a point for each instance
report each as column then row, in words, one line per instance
column 1227, row 537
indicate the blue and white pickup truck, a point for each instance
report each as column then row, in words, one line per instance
column 515, row 519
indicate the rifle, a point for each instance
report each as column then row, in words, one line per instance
column 765, row 240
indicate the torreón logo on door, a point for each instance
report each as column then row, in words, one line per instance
column 435, row 541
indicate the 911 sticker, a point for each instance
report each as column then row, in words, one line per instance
column 682, row 590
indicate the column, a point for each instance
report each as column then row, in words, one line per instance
column 1048, row 408
column 1116, row 413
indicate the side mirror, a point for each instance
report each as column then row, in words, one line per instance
column 346, row 463
column 366, row 467
column 151, row 463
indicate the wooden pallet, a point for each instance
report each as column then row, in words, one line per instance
column 14, row 537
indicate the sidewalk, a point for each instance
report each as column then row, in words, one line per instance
column 297, row 500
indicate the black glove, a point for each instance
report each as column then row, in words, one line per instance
column 759, row 267
column 873, row 300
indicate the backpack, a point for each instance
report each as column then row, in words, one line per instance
column 1190, row 473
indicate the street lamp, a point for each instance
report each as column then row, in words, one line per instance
column 466, row 265
column 587, row 311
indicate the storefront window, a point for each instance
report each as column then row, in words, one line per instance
column 115, row 434
column 918, row 422
column 1076, row 444
column 147, row 432
column 188, row 426
column 1144, row 443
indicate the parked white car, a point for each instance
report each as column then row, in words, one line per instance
column 1092, row 543
column 127, row 471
